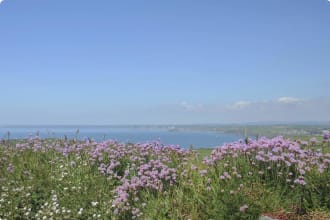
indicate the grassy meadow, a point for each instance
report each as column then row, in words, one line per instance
column 68, row 179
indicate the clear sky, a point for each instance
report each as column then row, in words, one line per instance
column 164, row 62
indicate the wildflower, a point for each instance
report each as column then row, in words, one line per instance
column 313, row 141
column 94, row 204
column 203, row 172
column 10, row 168
column 304, row 143
column 243, row 208
column 80, row 211
column 300, row 181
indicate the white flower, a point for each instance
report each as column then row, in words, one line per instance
column 80, row 211
column 94, row 204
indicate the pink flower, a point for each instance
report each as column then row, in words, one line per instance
column 10, row 168
column 203, row 172
column 243, row 208
column 313, row 141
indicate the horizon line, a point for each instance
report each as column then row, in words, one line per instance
column 179, row 124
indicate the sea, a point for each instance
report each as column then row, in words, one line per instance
column 182, row 138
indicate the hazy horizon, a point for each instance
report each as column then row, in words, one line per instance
column 192, row 124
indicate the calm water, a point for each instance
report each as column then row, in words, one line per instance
column 123, row 134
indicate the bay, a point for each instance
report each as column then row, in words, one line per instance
column 185, row 138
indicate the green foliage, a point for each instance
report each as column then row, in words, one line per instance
column 47, row 184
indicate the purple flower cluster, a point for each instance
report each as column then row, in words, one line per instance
column 131, row 168
column 138, row 168
column 281, row 157
column 313, row 141
column 326, row 137
column 154, row 176
column 136, row 171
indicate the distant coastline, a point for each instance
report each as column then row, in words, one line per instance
column 153, row 131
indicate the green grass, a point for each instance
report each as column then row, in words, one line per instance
column 203, row 152
column 45, row 184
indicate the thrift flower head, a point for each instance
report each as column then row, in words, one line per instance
column 243, row 208
column 313, row 141
column 203, row 172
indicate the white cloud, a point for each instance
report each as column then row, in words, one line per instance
column 288, row 100
column 239, row 105
column 191, row 107
column 1, row 1
column 284, row 109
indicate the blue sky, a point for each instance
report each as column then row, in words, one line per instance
column 164, row 62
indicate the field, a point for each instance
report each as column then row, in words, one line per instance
column 69, row 179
